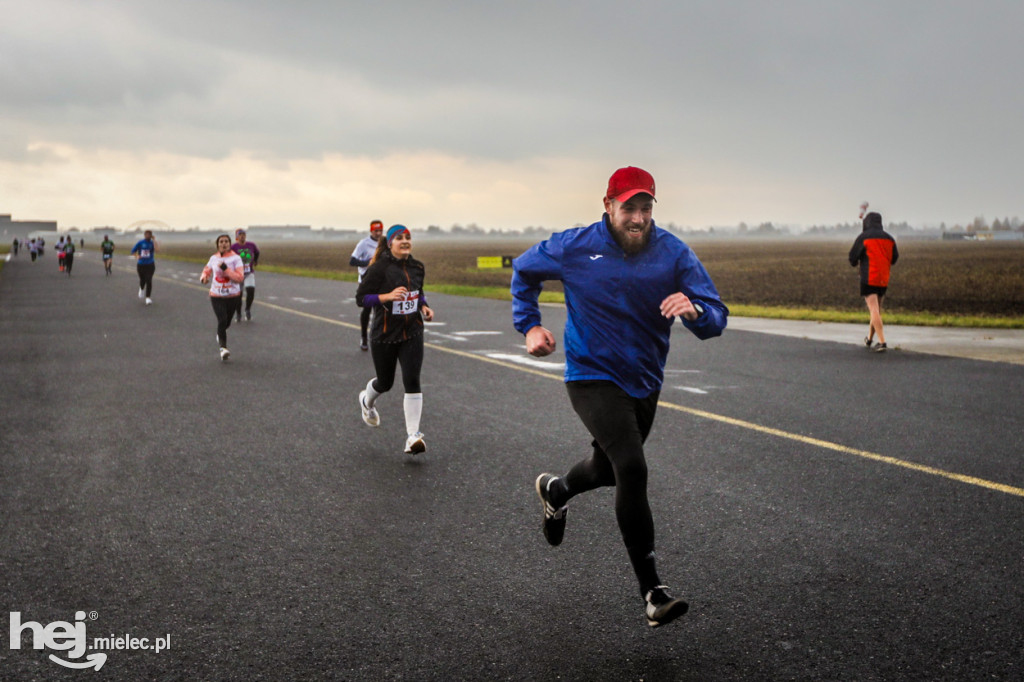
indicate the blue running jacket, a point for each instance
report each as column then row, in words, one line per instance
column 615, row 330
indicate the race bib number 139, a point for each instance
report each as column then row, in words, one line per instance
column 407, row 305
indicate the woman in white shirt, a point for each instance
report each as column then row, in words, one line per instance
column 225, row 273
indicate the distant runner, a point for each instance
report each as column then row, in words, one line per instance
column 875, row 252
column 69, row 255
column 107, row 249
column 144, row 251
column 225, row 272
column 250, row 255
column 360, row 258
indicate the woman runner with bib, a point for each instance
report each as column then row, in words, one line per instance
column 225, row 273
column 393, row 288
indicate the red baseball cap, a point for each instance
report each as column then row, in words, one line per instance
column 629, row 181
column 376, row 225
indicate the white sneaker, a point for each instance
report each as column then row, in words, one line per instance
column 414, row 445
column 224, row 354
column 142, row 293
column 149, row 301
column 370, row 416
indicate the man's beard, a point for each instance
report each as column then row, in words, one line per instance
column 629, row 245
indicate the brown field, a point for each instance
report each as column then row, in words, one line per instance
column 945, row 278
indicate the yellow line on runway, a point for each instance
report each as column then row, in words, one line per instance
column 894, row 461
column 971, row 480
column 827, row 445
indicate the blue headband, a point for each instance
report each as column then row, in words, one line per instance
column 395, row 230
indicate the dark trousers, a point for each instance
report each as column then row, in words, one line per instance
column 69, row 260
column 224, row 307
column 619, row 424
column 364, row 321
column 387, row 357
column 146, row 277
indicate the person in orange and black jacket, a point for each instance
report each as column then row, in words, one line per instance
column 393, row 287
column 875, row 252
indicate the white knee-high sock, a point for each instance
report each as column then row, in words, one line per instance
column 413, row 404
column 371, row 395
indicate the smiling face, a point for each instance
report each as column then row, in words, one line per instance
column 630, row 221
column 401, row 245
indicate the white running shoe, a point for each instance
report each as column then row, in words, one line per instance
column 224, row 354
column 142, row 293
column 370, row 416
column 149, row 301
column 414, row 445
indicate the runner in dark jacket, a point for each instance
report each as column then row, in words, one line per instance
column 393, row 287
column 875, row 252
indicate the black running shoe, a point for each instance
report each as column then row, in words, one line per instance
column 662, row 608
column 879, row 348
column 554, row 519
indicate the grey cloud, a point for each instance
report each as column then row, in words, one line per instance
column 870, row 90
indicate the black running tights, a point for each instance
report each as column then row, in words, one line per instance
column 387, row 357
column 224, row 307
column 146, row 277
column 619, row 424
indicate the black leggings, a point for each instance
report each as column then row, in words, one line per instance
column 224, row 307
column 146, row 277
column 619, row 424
column 386, row 358
column 69, row 260
column 250, row 294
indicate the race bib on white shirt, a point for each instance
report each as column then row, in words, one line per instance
column 407, row 305
column 220, row 285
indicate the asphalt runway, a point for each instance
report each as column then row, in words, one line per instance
column 830, row 514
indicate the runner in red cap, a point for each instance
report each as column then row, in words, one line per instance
column 360, row 259
column 626, row 281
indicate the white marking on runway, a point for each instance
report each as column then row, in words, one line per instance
column 528, row 361
column 701, row 391
column 452, row 337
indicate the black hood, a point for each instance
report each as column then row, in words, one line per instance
column 872, row 221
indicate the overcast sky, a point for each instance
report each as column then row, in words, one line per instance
column 222, row 113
